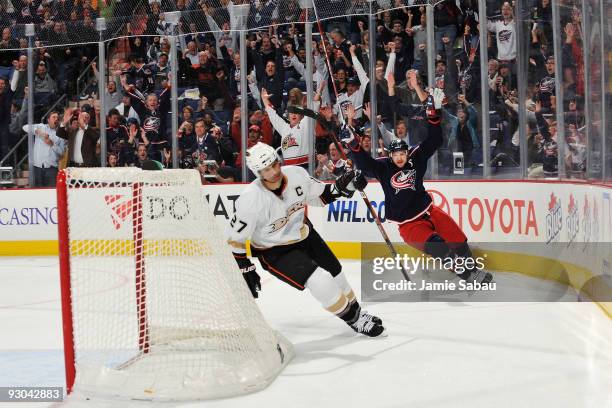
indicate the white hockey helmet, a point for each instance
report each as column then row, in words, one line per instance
column 260, row 156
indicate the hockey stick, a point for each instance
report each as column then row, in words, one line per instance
column 364, row 196
column 312, row 114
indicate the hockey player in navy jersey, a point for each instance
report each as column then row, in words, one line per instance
column 421, row 224
column 271, row 213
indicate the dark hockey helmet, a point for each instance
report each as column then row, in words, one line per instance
column 397, row 145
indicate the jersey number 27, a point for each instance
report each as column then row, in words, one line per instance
column 242, row 224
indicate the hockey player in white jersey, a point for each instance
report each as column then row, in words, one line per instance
column 271, row 213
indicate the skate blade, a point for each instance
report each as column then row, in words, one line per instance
column 382, row 335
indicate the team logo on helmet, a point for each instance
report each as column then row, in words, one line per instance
column 289, row 141
column 403, row 179
column 151, row 124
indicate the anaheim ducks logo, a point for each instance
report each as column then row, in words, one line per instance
column 281, row 222
column 289, row 141
column 403, row 179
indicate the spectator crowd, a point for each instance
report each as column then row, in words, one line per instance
column 138, row 75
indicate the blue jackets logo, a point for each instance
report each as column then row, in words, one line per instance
column 403, row 179
column 151, row 124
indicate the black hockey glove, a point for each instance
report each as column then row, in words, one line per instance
column 350, row 181
column 252, row 279
column 359, row 181
column 249, row 273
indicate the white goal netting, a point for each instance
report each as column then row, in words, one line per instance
column 159, row 309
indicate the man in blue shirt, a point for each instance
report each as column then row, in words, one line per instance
column 48, row 150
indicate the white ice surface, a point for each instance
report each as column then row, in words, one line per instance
column 436, row 355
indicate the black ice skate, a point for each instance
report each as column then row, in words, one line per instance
column 477, row 276
column 366, row 326
column 371, row 317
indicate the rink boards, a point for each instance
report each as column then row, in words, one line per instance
column 492, row 214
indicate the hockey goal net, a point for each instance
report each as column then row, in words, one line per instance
column 153, row 304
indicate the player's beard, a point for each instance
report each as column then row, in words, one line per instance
column 274, row 180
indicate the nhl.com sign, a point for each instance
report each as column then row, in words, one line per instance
column 489, row 215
